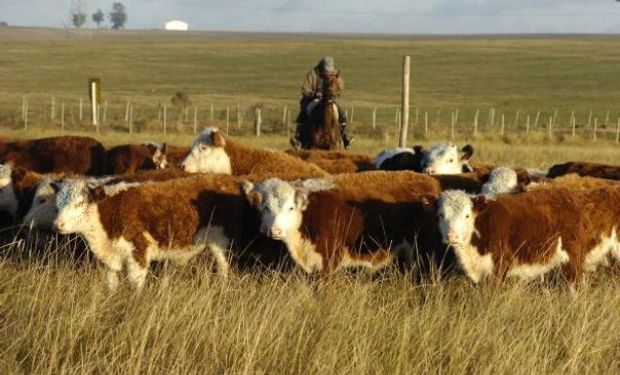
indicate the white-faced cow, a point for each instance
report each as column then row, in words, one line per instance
column 441, row 158
column 526, row 235
column 212, row 152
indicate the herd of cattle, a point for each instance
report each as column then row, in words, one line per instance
column 322, row 211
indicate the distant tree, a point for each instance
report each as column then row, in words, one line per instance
column 98, row 17
column 78, row 19
column 118, row 16
column 78, row 15
column 3, row 24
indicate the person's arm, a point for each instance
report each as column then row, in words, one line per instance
column 307, row 87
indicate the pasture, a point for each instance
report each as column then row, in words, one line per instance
column 57, row 317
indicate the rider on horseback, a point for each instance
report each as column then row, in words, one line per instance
column 311, row 94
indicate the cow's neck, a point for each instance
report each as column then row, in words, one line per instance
column 96, row 235
column 303, row 252
column 476, row 266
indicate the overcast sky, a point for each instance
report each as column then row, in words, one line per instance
column 358, row 16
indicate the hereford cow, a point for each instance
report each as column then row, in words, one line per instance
column 127, row 159
column 335, row 162
column 610, row 172
column 527, row 235
column 347, row 220
column 212, row 152
column 441, row 158
column 67, row 154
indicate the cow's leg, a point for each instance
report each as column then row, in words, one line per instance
column 137, row 262
column 217, row 243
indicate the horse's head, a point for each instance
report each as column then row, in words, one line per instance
column 331, row 86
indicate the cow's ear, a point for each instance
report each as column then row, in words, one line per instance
column 18, row 174
column 418, row 149
column 466, row 152
column 428, row 201
column 301, row 199
column 480, row 202
column 55, row 185
column 217, row 139
column 254, row 198
column 96, row 193
column 164, row 148
column 246, row 187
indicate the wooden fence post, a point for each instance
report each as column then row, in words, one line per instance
column 238, row 116
column 62, row 118
column 590, row 118
column 23, row 108
column 165, row 119
column 257, row 121
column 211, row 112
column 516, row 123
column 527, row 125
column 555, row 117
column 352, row 113
column 127, row 112
column 595, row 128
column 476, row 122
column 618, row 132
column 550, row 127
column 26, row 116
column 284, row 110
column 503, row 128
column 536, row 120
column 402, row 141
column 227, row 119
column 195, row 119
column 81, row 112
column 130, row 124
column 572, row 123
column 53, row 112
column 105, row 111
column 374, row 118
column 607, row 119
column 426, row 123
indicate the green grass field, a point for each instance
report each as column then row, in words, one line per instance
column 57, row 317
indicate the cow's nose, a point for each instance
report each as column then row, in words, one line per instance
column 430, row 170
column 452, row 237
column 59, row 225
column 275, row 232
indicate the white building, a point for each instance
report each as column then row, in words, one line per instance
column 177, row 26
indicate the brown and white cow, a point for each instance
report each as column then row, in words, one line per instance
column 213, row 152
column 127, row 159
column 611, row 172
column 335, row 162
column 349, row 220
column 66, row 154
column 527, row 235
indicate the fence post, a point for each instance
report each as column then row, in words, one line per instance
column 536, row 120
column 402, row 141
column 572, row 123
column 130, row 119
column 257, row 121
column 502, row 131
column 186, row 114
column 81, row 113
column 165, row 119
column 590, row 119
column 26, row 116
column 284, row 110
column 492, row 117
column 53, row 112
column 426, row 123
column 452, row 125
column 195, row 119
column 227, row 119
column 555, row 117
column 476, row 122
column 105, row 111
column 127, row 112
column 550, row 127
column 516, row 124
column 211, row 112
column 23, row 108
column 374, row 118
column 618, row 132
column 527, row 125
column 607, row 119
column 352, row 113
column 238, row 117
column 595, row 128
column 62, row 117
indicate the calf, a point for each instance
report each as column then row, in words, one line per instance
column 335, row 162
column 441, row 158
column 527, row 235
column 347, row 220
column 212, row 152
column 67, row 154
column 610, row 172
column 127, row 159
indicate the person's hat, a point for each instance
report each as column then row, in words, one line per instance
column 327, row 65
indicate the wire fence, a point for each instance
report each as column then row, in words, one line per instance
column 125, row 116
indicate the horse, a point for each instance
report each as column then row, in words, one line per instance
column 322, row 130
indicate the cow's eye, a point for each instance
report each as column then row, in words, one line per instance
column 467, row 217
column 291, row 208
column 41, row 200
column 451, row 160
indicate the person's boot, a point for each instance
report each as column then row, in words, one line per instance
column 295, row 140
column 346, row 140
